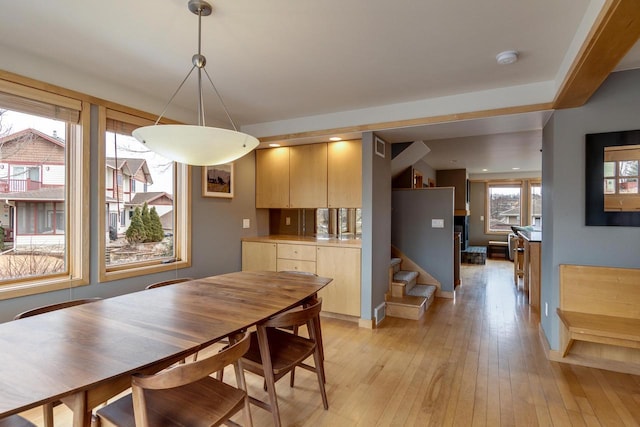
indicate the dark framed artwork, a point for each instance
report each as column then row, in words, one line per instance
column 217, row 181
column 598, row 146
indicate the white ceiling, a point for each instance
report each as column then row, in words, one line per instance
column 292, row 65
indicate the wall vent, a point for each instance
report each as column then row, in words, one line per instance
column 379, row 313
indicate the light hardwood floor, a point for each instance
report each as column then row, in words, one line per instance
column 472, row 361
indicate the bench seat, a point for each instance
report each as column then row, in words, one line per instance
column 495, row 247
column 622, row 331
column 601, row 307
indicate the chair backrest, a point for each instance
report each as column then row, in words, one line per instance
column 54, row 307
column 169, row 282
column 180, row 375
column 15, row 421
column 297, row 316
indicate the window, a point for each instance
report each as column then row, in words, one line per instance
column 149, row 194
column 44, row 208
column 621, row 177
column 503, row 207
column 340, row 222
column 535, row 204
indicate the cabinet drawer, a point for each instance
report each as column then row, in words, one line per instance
column 296, row 265
column 301, row 252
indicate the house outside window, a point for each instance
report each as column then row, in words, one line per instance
column 503, row 206
column 149, row 194
column 42, row 187
column 535, row 204
column 621, row 178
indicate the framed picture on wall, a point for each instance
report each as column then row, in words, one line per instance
column 218, row 180
column 379, row 147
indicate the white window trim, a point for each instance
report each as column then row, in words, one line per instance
column 487, row 207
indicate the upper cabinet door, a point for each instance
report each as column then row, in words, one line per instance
column 308, row 176
column 272, row 178
column 345, row 174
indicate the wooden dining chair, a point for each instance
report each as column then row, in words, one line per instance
column 16, row 421
column 169, row 282
column 275, row 352
column 48, row 407
column 295, row 328
column 184, row 395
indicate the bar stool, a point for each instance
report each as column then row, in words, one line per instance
column 518, row 260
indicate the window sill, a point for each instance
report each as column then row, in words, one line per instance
column 33, row 287
column 135, row 271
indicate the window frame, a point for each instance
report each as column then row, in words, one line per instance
column 533, row 183
column 182, row 201
column 33, row 97
column 487, row 207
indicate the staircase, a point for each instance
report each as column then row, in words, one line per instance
column 406, row 298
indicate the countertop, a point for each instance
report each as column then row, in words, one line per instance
column 318, row 241
column 531, row 236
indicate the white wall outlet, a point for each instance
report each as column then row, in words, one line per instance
column 287, row 220
column 546, row 309
column 437, row 223
column 481, row 217
column 246, row 223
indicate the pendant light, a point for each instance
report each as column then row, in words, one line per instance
column 199, row 145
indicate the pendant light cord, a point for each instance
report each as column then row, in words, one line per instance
column 199, row 62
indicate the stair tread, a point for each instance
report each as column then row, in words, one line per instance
column 405, row 276
column 395, row 261
column 426, row 291
column 407, row 300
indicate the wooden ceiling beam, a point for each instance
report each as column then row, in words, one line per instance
column 616, row 30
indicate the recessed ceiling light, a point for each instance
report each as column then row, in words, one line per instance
column 453, row 161
column 515, row 169
column 335, row 138
column 485, row 170
column 274, row 145
column 507, row 57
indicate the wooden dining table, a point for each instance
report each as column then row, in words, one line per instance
column 85, row 354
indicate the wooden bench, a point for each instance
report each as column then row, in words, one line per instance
column 599, row 305
column 497, row 247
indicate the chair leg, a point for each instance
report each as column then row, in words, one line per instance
column 321, row 378
column 268, row 374
column 293, row 371
column 47, row 408
column 242, row 384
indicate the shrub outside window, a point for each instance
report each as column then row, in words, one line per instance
column 143, row 226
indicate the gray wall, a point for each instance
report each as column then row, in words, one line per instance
column 216, row 226
column 411, row 231
column 427, row 172
column 376, row 225
column 565, row 238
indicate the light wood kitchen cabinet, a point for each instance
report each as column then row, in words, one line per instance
column 342, row 295
column 308, row 176
column 272, row 178
column 258, row 256
column 344, row 177
column 296, row 258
